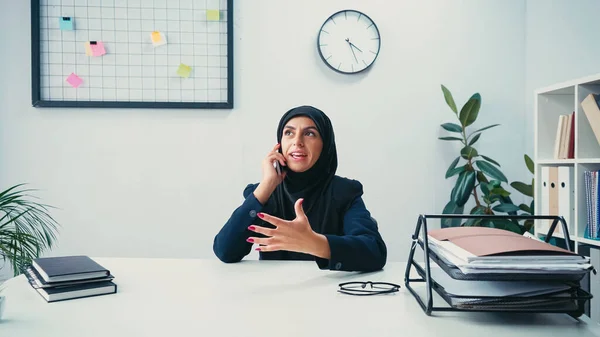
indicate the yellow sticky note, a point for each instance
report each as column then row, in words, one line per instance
column 155, row 37
column 184, row 70
column 213, row 15
column 88, row 49
column 158, row 39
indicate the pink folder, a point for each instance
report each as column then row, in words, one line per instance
column 484, row 241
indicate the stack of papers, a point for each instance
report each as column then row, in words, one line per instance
column 490, row 250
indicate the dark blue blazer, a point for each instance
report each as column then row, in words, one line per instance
column 359, row 248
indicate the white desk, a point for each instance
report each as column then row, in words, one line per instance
column 165, row 297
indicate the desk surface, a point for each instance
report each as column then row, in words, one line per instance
column 180, row 297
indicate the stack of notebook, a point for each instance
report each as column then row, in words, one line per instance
column 69, row 277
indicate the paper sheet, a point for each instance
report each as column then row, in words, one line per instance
column 97, row 48
column 158, row 39
column 213, row 15
column 184, row 70
column 492, row 288
column 88, row 49
column 74, row 80
column 66, row 23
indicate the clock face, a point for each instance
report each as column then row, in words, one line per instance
column 349, row 42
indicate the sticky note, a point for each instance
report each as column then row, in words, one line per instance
column 97, row 48
column 74, row 80
column 213, row 15
column 88, row 49
column 158, row 39
column 184, row 70
column 66, row 23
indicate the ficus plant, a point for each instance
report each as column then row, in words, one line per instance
column 477, row 176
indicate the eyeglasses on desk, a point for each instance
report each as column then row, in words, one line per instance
column 374, row 288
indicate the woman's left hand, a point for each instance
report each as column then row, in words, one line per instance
column 295, row 235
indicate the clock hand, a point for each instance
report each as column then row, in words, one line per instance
column 350, row 44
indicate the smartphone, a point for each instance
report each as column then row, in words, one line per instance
column 277, row 167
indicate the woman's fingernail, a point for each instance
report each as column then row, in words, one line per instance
column 257, row 249
column 250, row 240
column 251, row 228
column 260, row 215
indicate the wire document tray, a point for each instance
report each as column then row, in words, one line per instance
column 563, row 293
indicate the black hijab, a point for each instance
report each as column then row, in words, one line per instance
column 316, row 185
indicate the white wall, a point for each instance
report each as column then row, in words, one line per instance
column 561, row 45
column 162, row 182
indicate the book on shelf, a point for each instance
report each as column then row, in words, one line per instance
column 69, row 277
column 592, row 204
column 592, row 112
column 564, row 143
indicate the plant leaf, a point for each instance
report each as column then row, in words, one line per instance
column 451, row 208
column 455, row 171
column 472, row 141
column 481, row 178
column 451, row 138
column 507, row 225
column 490, row 160
column 469, row 112
column 505, row 207
column 491, row 171
column 452, row 165
column 463, row 187
column 529, row 164
column 26, row 228
column 500, row 191
column 523, row 188
column 475, row 221
column 485, row 189
column 468, row 152
column 449, row 99
column 485, row 128
column 525, row 208
column 495, row 183
column 452, row 127
column 528, row 224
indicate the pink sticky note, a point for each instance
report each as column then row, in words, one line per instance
column 74, row 80
column 97, row 48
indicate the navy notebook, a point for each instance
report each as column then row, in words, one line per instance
column 68, row 268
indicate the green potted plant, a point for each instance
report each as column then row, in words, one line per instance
column 478, row 176
column 26, row 228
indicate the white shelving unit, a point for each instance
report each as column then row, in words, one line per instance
column 549, row 103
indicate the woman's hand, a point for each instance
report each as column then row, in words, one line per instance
column 270, row 175
column 295, row 235
column 270, row 178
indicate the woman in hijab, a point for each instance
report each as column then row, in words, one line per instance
column 306, row 212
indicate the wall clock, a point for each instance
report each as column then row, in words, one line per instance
column 349, row 42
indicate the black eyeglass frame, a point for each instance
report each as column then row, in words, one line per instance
column 363, row 284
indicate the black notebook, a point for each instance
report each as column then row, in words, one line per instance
column 36, row 280
column 68, row 268
column 77, row 291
